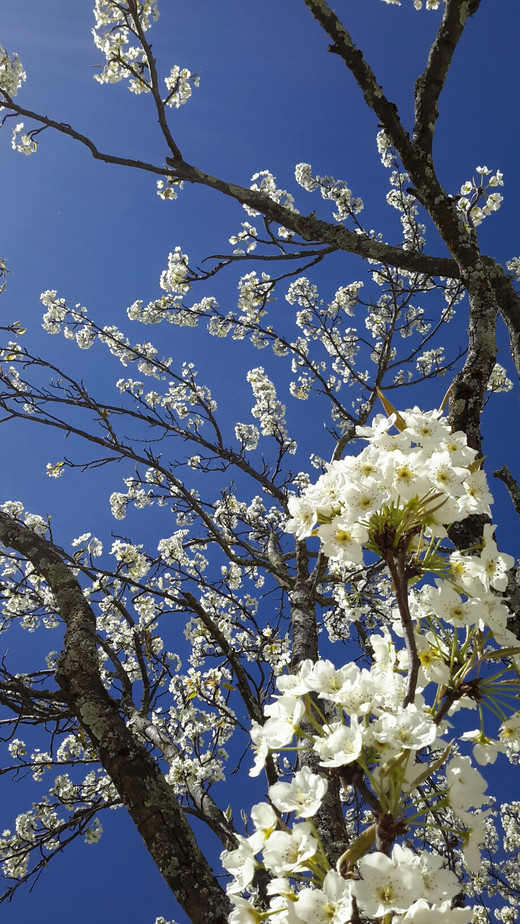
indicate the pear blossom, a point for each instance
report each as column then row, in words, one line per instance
column 485, row 750
column 342, row 540
column 510, row 732
column 297, row 684
column 446, row 476
column 494, row 564
column 494, row 613
column 327, row 494
column 477, row 493
column 408, row 729
column 241, row 864
column 466, row 786
column 449, row 606
column 386, row 884
column 327, row 680
column 243, row 912
column 341, row 745
column 303, row 795
column 474, row 838
column 287, row 853
column 285, row 715
column 438, row 882
column 12, row 73
column 423, row 913
column 425, row 427
column 265, row 821
column 303, row 517
column 332, row 904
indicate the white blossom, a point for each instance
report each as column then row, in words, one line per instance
column 12, row 73
column 303, row 795
column 386, row 884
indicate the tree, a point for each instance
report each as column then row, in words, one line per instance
column 390, row 554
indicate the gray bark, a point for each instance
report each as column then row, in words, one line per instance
column 142, row 787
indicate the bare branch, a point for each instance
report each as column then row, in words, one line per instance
column 308, row 227
column 354, row 59
column 511, row 484
column 430, row 83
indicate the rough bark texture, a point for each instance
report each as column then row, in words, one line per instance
column 429, row 84
column 142, row 787
column 329, row 819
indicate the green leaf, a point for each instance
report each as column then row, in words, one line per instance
column 501, row 653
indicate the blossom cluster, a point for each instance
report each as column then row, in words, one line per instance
column 336, row 191
column 356, row 721
column 265, row 182
column 23, row 142
column 42, row 826
column 12, row 73
column 476, row 202
column 115, row 26
column 179, row 84
column 369, row 726
column 268, row 409
column 423, row 460
column 402, row 490
column 12, row 76
column 112, row 35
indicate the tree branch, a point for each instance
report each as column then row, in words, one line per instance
column 430, row 83
column 141, row 785
column 511, row 484
column 469, row 388
column 477, row 272
column 372, row 92
column 307, row 226
column 397, row 568
column 207, row 808
column 509, row 306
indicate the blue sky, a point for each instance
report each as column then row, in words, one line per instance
column 270, row 97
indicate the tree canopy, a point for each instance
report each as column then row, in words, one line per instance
column 292, row 654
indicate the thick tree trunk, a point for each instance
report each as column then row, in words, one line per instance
column 141, row 785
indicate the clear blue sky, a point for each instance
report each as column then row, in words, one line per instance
column 270, row 97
